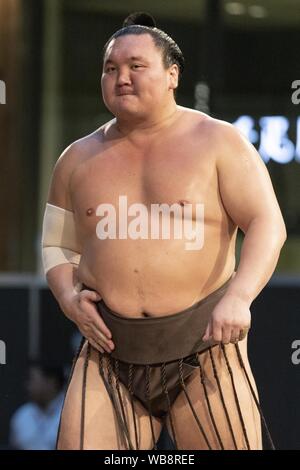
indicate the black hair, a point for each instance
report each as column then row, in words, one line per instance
column 143, row 23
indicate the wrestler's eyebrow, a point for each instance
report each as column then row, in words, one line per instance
column 132, row 58
column 137, row 58
column 108, row 61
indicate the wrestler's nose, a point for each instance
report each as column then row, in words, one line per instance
column 123, row 77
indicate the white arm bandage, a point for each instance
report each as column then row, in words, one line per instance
column 59, row 241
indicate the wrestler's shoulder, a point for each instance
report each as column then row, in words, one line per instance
column 69, row 161
column 204, row 122
column 82, row 148
column 223, row 137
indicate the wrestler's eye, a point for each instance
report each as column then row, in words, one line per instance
column 110, row 69
column 136, row 66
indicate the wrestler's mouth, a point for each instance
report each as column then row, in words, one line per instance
column 124, row 93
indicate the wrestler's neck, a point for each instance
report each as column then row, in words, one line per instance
column 153, row 123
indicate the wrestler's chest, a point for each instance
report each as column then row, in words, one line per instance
column 165, row 174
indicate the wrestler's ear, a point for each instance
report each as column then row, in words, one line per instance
column 173, row 76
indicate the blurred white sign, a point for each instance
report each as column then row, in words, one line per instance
column 296, row 354
column 272, row 136
column 2, row 352
column 296, row 94
column 2, row 92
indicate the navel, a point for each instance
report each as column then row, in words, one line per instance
column 145, row 314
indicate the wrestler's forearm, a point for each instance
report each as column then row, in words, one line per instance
column 260, row 251
column 63, row 282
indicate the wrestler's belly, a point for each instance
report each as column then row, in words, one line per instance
column 155, row 277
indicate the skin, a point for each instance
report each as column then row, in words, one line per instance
column 155, row 151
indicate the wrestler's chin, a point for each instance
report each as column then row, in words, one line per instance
column 126, row 110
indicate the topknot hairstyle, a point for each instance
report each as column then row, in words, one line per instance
column 143, row 23
column 140, row 18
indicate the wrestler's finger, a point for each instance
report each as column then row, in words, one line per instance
column 243, row 333
column 217, row 332
column 100, row 343
column 90, row 295
column 96, row 345
column 89, row 314
column 208, row 332
column 100, row 325
column 226, row 334
column 102, row 339
column 92, row 311
column 235, row 335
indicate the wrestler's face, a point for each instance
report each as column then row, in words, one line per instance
column 135, row 82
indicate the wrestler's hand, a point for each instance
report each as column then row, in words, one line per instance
column 230, row 320
column 85, row 315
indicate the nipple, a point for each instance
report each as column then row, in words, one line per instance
column 182, row 202
column 90, row 211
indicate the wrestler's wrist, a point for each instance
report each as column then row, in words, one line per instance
column 240, row 296
column 67, row 304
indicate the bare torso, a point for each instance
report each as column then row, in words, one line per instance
column 178, row 165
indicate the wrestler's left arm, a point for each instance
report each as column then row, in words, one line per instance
column 249, row 199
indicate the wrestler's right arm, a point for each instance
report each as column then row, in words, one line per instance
column 62, row 277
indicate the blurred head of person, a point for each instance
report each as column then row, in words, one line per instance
column 44, row 383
